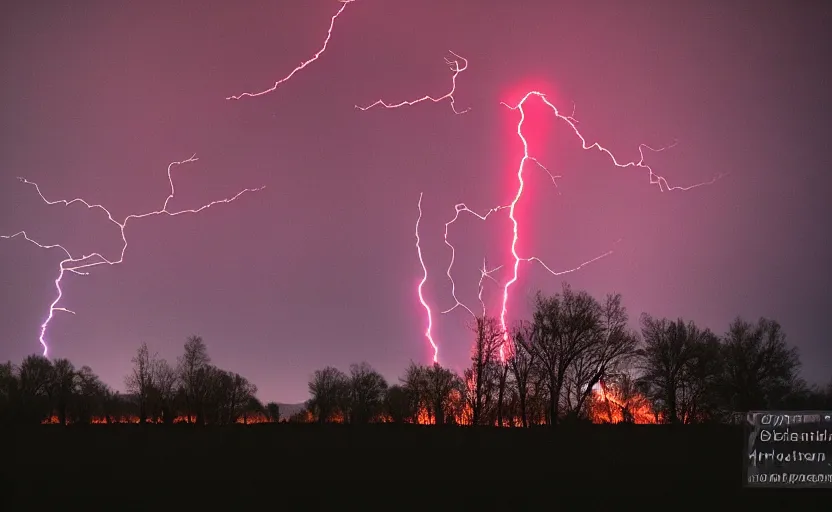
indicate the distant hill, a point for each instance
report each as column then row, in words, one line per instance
column 287, row 410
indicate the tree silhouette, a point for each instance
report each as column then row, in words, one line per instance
column 62, row 387
column 92, row 396
column 522, row 362
column 670, row 355
column 481, row 378
column 565, row 326
column 699, row 399
column 191, row 367
column 165, row 380
column 140, row 381
column 34, row 378
column 273, row 412
column 502, row 369
column 9, row 394
column 254, row 409
column 325, row 390
column 611, row 344
column 228, row 398
column 760, row 368
column 400, row 404
column 367, row 388
column 437, row 389
column 575, row 359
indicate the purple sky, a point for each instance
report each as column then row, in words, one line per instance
column 320, row 268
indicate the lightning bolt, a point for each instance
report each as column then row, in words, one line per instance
column 485, row 273
column 457, row 65
column 303, row 64
column 654, row 179
column 77, row 265
column 460, row 208
column 428, row 334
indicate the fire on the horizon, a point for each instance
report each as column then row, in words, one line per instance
column 607, row 404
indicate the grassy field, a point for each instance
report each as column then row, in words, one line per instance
column 614, row 459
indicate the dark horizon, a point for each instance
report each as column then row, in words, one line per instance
column 321, row 268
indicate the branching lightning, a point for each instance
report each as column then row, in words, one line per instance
column 428, row 334
column 457, row 65
column 570, row 120
column 485, row 273
column 460, row 208
column 654, row 179
column 302, row 64
column 77, row 265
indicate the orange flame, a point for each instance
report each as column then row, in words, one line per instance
column 609, row 405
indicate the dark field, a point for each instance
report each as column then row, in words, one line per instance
column 52, row 461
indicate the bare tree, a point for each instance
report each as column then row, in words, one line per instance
column 436, row 387
column 34, row 376
column 760, row 368
column 502, row 370
column 211, row 395
column 62, row 387
column 254, row 408
column 670, row 349
column 166, row 379
column 565, row 326
column 400, row 404
column 92, row 394
column 230, row 396
column 191, row 367
column 481, row 377
column 621, row 402
column 140, row 380
column 273, row 412
column 522, row 362
column 414, row 384
column 243, row 400
column 367, row 388
column 538, row 402
column 9, row 394
column 611, row 345
column 326, row 389
column 116, row 407
column 698, row 398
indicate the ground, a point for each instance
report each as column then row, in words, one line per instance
column 53, row 462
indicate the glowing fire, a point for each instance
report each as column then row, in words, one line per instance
column 252, row 419
column 609, row 405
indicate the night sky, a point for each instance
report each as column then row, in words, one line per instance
column 320, row 268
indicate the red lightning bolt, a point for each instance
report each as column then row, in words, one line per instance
column 460, row 208
column 302, row 64
column 569, row 120
column 654, row 179
column 457, row 65
column 428, row 334
column 75, row 265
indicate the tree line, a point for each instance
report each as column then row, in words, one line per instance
column 574, row 360
column 577, row 360
column 192, row 391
